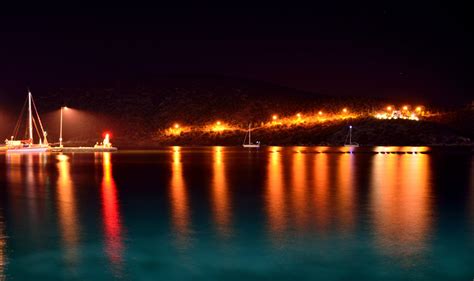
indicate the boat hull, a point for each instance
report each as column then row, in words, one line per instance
column 84, row 149
column 251, row 145
column 28, row 150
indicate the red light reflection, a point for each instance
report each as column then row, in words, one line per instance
column 111, row 214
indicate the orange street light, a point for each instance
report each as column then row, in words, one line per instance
column 389, row 108
column 320, row 112
column 176, row 125
column 298, row 115
column 418, row 108
column 61, row 126
column 218, row 123
column 344, row 110
column 275, row 117
column 405, row 107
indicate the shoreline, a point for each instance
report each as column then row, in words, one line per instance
column 397, row 150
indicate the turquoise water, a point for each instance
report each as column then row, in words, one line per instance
column 225, row 213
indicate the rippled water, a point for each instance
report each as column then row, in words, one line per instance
column 229, row 214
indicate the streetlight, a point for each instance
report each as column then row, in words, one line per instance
column 61, row 126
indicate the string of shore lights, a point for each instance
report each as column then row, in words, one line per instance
column 390, row 112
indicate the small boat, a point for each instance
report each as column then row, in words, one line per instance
column 28, row 145
column 104, row 146
column 249, row 144
column 349, row 136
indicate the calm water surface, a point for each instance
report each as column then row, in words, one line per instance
column 229, row 214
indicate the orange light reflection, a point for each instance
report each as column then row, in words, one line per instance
column 299, row 190
column 345, row 185
column 3, row 248
column 179, row 200
column 401, row 203
column 321, row 191
column 275, row 195
column 67, row 208
column 220, row 193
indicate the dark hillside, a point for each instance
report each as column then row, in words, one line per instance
column 139, row 113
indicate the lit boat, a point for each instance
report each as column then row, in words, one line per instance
column 104, row 146
column 28, row 145
column 249, row 144
column 349, row 136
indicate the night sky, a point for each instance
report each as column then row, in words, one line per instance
column 387, row 50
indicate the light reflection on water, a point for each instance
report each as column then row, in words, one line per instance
column 67, row 210
column 220, row 194
column 321, row 192
column 299, row 191
column 317, row 211
column 345, row 187
column 3, row 248
column 275, row 198
column 401, row 204
column 113, row 228
column 179, row 201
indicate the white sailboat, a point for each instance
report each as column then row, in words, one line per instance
column 34, row 122
column 249, row 144
column 349, row 136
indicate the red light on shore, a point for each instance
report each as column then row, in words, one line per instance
column 107, row 133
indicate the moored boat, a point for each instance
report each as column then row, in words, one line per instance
column 349, row 136
column 249, row 144
column 104, row 146
column 33, row 122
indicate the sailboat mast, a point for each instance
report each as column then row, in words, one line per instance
column 250, row 141
column 30, row 118
column 350, row 134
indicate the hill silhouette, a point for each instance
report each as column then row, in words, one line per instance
column 138, row 112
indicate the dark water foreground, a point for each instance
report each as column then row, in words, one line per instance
column 228, row 214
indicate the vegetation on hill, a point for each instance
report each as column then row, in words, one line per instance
column 140, row 115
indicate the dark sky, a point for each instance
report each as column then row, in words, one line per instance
column 389, row 50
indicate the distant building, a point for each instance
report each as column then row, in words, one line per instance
column 396, row 114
